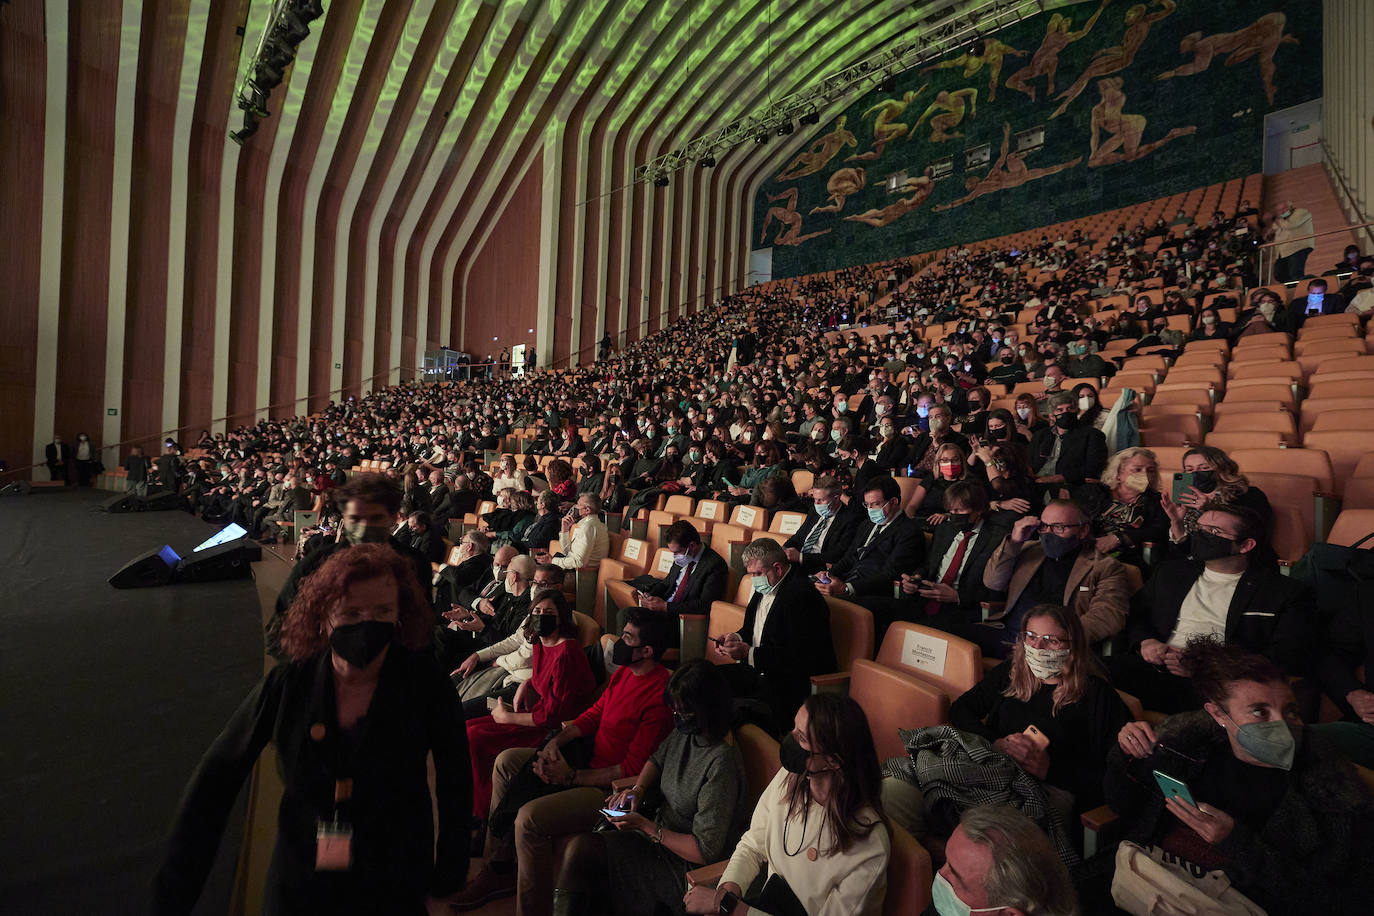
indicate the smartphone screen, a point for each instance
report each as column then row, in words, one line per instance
column 613, row 813
column 1174, row 788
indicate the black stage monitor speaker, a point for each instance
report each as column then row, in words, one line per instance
column 152, row 569
column 124, row 502
column 227, row 561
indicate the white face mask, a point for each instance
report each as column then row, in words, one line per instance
column 1085, row 403
column 1046, row 663
column 1023, row 413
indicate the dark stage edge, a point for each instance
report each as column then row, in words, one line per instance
column 110, row 697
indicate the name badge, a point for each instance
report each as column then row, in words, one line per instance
column 333, row 846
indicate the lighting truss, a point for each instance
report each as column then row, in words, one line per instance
column 964, row 25
column 287, row 26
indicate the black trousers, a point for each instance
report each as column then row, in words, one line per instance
column 1153, row 685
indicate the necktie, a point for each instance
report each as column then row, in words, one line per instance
column 951, row 574
column 813, row 538
column 682, row 582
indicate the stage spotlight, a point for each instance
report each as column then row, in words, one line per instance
column 708, row 162
column 310, row 9
column 888, row 85
column 254, row 99
column 250, row 127
column 785, row 129
column 761, row 139
column 661, row 181
column 810, row 118
column 292, row 28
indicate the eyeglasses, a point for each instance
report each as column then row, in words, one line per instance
column 1041, row 641
column 1060, row 529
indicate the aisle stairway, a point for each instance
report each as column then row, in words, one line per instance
column 1310, row 187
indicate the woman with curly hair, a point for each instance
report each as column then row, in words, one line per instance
column 560, row 475
column 353, row 713
column 1217, row 482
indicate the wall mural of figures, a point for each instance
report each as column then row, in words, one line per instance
column 1159, row 118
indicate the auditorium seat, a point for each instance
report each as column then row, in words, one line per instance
column 1272, row 371
column 948, row 663
column 1179, row 429
column 628, row 563
column 1278, row 421
column 1309, row 462
column 1229, row 442
column 786, row 524
column 1351, row 526
column 749, row 517
column 1345, row 448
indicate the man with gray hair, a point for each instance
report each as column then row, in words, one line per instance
column 586, row 541
column 784, row 641
column 998, row 861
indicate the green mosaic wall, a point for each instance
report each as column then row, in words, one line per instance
column 1224, row 104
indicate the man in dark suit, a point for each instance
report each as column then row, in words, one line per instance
column 885, row 545
column 169, row 469
column 824, row 538
column 1221, row 591
column 698, row 577
column 1317, row 302
column 1067, row 453
column 947, row 589
column 59, row 458
column 423, row 537
column 784, row 641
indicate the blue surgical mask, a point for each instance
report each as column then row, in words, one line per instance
column 825, row 510
column 922, row 410
column 834, row 435
column 877, row 515
column 946, row 903
column 762, row 586
column 681, row 559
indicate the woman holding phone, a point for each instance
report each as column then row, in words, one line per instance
column 694, row 786
column 1047, row 707
column 1212, row 479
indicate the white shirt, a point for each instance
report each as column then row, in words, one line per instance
column 761, row 615
column 948, row 558
column 1205, row 606
column 589, row 545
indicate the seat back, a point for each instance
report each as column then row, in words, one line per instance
column 1345, row 447
column 1352, row 525
column 725, row 617
column 947, row 662
column 893, row 699
column 1309, row 462
column 678, row 505
column 851, row 630
column 712, row 510
column 749, row 517
column 759, row 753
column 588, row 630
column 662, row 564
column 802, row 480
column 910, row 875
column 1230, row 441
column 634, row 553
column 786, row 523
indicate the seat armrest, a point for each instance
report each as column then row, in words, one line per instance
column 1098, row 818
column 707, row 875
column 830, row 683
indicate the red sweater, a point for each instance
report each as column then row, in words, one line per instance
column 563, row 679
column 629, row 720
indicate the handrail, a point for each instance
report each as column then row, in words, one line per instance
column 1334, row 169
column 1317, row 235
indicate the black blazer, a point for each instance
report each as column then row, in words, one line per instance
column 1332, row 304
column 1349, row 644
column 1083, row 453
column 899, row 547
column 414, row 711
column 1270, row 613
column 708, row 582
column 54, row 459
column 795, row 644
column 969, row 584
column 837, row 540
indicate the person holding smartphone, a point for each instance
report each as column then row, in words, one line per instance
column 1279, row 813
column 684, row 810
column 1048, row 707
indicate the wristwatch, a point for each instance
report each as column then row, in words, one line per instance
column 728, row 903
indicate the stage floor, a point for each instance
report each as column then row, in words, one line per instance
column 110, row 697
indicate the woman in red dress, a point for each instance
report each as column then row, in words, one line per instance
column 561, row 688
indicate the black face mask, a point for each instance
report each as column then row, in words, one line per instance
column 997, row 433
column 1205, row 481
column 1205, row 546
column 1066, row 421
column 622, row 653
column 548, row 624
column 959, row 521
column 793, row 756
column 360, row 643
column 689, row 724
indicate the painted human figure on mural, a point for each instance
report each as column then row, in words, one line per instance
column 948, row 112
column 821, row 151
column 919, row 188
column 1009, row 171
column 988, row 51
column 1262, row 37
column 885, row 129
column 1123, row 131
column 841, row 184
column 1045, row 61
column 789, row 232
column 1118, row 57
